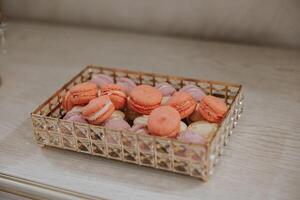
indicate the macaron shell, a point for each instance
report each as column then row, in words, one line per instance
column 183, row 126
column 118, row 114
column 212, row 109
column 82, row 93
column 216, row 104
column 164, row 121
column 77, row 118
column 196, row 115
column 165, row 88
column 183, row 102
column 101, row 79
column 164, row 100
column 197, row 93
column 95, row 106
column 126, row 83
column 117, row 124
column 146, row 95
column 67, row 103
column 103, row 117
column 116, row 94
column 142, row 109
column 189, row 110
column 74, row 111
column 140, row 129
column 191, row 137
column 141, row 120
column 203, row 128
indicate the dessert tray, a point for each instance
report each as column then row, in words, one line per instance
column 196, row 160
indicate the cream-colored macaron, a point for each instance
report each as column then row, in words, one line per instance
column 141, row 120
column 164, row 100
column 117, row 114
column 204, row 128
column 183, row 126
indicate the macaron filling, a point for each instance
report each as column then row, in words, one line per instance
column 100, row 112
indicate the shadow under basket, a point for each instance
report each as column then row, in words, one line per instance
column 196, row 160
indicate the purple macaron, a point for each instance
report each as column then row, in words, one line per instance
column 75, row 115
column 126, row 83
column 165, row 88
column 140, row 129
column 191, row 137
column 101, row 79
column 117, row 124
column 197, row 93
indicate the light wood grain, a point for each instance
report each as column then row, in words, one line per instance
column 261, row 162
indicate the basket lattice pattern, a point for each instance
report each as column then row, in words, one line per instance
column 168, row 154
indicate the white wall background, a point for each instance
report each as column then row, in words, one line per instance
column 265, row 22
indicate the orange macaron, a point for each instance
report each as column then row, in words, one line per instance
column 79, row 95
column 183, row 102
column 116, row 94
column 144, row 98
column 67, row 103
column 98, row 110
column 212, row 108
column 164, row 121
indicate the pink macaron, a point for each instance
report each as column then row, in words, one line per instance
column 117, row 124
column 189, row 136
column 101, row 80
column 74, row 111
column 126, row 83
column 140, row 129
column 165, row 88
column 197, row 93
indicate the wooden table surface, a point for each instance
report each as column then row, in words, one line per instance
column 262, row 161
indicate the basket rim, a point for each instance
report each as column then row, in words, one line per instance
column 89, row 68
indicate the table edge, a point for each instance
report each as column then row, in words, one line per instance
column 36, row 190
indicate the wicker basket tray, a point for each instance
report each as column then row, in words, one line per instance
column 168, row 154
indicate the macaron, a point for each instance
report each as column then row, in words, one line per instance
column 141, row 120
column 67, row 103
column 144, row 98
column 183, row 126
column 164, row 100
column 101, row 79
column 74, row 111
column 77, row 118
column 165, row 88
column 195, row 116
column 75, row 115
column 212, row 109
column 126, row 83
column 197, row 93
column 183, row 102
column 98, row 110
column 82, row 93
column 203, row 128
column 164, row 121
column 118, row 114
column 190, row 136
column 117, row 124
column 116, row 94
column 140, row 129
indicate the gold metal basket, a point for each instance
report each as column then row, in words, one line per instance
column 162, row 153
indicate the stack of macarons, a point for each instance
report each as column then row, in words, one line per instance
column 188, row 114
